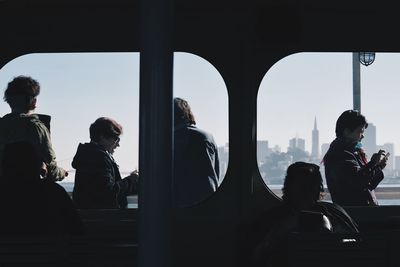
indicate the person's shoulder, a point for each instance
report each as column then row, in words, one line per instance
column 54, row 188
column 332, row 207
column 338, row 151
column 52, row 185
column 200, row 133
column 27, row 121
column 90, row 154
column 34, row 121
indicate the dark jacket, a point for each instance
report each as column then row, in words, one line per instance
column 196, row 165
column 98, row 183
column 268, row 235
column 351, row 181
column 37, row 207
column 22, row 127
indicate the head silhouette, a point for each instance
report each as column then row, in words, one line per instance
column 350, row 119
column 303, row 185
column 21, row 93
column 183, row 112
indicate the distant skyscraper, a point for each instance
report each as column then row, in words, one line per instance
column 262, row 150
column 301, row 143
column 397, row 162
column 223, row 153
column 297, row 143
column 315, row 141
column 369, row 141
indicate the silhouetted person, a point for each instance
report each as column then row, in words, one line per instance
column 22, row 125
column 30, row 205
column 351, row 179
column 301, row 210
column 196, row 162
column 98, row 183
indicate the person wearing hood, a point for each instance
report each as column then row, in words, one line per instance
column 98, row 183
column 350, row 177
column 23, row 125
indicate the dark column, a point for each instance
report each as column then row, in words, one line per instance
column 156, row 134
column 356, row 82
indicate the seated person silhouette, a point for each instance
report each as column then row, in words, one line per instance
column 98, row 182
column 29, row 204
column 301, row 210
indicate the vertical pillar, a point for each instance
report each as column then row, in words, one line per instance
column 356, row 82
column 156, row 134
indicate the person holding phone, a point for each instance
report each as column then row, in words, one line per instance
column 98, row 182
column 350, row 177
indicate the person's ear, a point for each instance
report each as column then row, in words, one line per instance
column 32, row 104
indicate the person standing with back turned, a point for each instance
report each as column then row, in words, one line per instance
column 196, row 161
column 22, row 125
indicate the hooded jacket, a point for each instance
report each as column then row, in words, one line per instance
column 98, row 183
column 16, row 127
column 351, row 181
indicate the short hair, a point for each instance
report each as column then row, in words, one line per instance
column 183, row 112
column 350, row 119
column 105, row 127
column 21, row 86
column 21, row 159
column 310, row 177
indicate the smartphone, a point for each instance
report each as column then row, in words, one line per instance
column 387, row 155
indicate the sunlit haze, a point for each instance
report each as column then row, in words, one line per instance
column 77, row 88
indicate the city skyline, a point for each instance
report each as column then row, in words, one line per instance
column 289, row 97
column 369, row 144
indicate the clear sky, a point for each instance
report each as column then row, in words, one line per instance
column 302, row 86
column 78, row 88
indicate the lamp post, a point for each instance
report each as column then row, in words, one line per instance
column 365, row 58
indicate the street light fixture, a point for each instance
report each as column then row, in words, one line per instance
column 367, row 58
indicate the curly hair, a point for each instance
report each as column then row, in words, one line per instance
column 21, row 86
column 183, row 112
column 105, row 127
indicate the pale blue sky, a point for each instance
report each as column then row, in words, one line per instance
column 305, row 85
column 78, row 88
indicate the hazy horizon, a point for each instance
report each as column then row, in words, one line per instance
column 77, row 88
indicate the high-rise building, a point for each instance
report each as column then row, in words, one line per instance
column 369, row 141
column 397, row 162
column 223, row 153
column 262, row 150
column 315, row 141
column 301, row 143
column 297, row 143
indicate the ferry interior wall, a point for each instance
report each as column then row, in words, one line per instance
column 242, row 40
